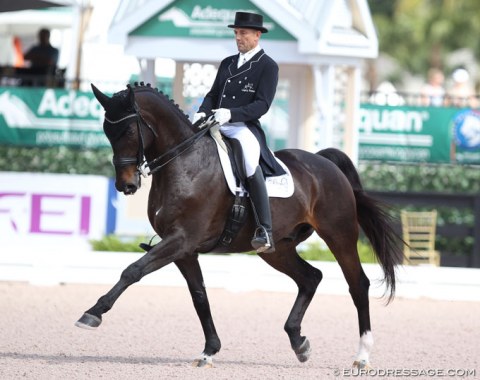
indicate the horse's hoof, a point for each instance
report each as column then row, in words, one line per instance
column 362, row 364
column 204, row 361
column 88, row 321
column 303, row 352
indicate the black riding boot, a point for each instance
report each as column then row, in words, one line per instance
column 262, row 239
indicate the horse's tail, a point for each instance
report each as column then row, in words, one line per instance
column 374, row 219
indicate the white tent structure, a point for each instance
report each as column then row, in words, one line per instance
column 310, row 39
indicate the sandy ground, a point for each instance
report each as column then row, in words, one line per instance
column 153, row 333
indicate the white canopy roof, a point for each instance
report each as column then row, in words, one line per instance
column 303, row 31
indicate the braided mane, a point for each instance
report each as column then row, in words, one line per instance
column 170, row 103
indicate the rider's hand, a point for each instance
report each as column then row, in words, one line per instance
column 222, row 115
column 198, row 116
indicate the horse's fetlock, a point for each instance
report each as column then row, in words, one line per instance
column 365, row 282
column 291, row 329
column 318, row 277
column 212, row 346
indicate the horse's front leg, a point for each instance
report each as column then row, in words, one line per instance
column 163, row 253
column 190, row 269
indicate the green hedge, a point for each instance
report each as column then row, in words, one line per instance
column 420, row 177
column 375, row 175
column 56, row 160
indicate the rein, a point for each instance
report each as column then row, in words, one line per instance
column 158, row 163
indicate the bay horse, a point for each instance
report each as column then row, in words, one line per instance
column 189, row 203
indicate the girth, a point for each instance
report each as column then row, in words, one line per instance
column 236, row 220
column 238, row 214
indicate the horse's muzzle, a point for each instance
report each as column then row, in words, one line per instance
column 130, row 186
column 129, row 189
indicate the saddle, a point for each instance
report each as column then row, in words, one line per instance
column 231, row 157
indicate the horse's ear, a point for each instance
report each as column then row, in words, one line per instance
column 101, row 97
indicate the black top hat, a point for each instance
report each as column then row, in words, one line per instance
column 249, row 21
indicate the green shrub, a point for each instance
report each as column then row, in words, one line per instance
column 319, row 251
column 310, row 251
column 384, row 176
column 116, row 244
column 58, row 159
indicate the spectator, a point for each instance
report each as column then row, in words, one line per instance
column 17, row 47
column 433, row 92
column 462, row 94
column 43, row 57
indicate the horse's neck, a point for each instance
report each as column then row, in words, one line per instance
column 196, row 158
column 170, row 135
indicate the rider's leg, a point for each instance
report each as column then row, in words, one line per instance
column 262, row 240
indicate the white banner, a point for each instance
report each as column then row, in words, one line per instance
column 52, row 209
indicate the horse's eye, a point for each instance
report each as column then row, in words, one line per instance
column 130, row 132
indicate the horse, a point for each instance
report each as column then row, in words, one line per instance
column 189, row 204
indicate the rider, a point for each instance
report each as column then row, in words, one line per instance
column 242, row 92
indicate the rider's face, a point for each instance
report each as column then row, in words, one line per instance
column 246, row 39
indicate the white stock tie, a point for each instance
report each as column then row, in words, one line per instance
column 243, row 59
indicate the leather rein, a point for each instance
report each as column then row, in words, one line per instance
column 146, row 168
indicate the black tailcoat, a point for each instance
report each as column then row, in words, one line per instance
column 247, row 92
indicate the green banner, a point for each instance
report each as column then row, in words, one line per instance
column 419, row 134
column 46, row 117
column 205, row 19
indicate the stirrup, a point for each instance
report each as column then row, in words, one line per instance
column 262, row 241
column 146, row 247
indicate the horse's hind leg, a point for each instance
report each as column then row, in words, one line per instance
column 190, row 269
column 307, row 278
column 345, row 251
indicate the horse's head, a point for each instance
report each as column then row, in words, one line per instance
column 124, row 127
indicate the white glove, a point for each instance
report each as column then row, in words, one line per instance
column 222, row 115
column 198, row 116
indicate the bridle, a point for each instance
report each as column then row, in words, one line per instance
column 139, row 160
column 144, row 167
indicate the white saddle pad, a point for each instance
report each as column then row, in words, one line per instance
column 279, row 187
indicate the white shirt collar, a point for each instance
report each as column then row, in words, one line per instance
column 248, row 55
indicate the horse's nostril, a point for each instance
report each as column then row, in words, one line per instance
column 129, row 188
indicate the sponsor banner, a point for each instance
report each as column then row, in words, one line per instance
column 46, row 117
column 52, row 209
column 466, row 136
column 205, row 19
column 419, row 134
column 128, row 213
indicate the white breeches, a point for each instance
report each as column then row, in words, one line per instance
column 248, row 141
